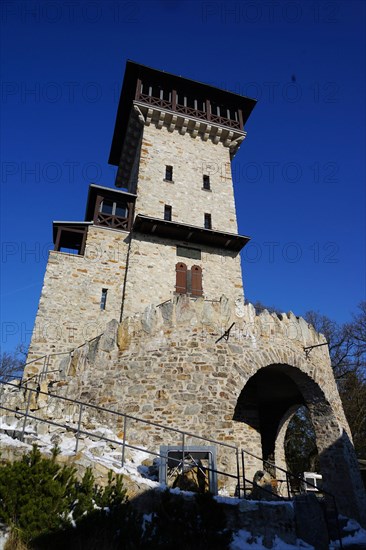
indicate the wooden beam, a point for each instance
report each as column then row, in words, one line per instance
column 241, row 123
column 83, row 242
column 58, row 237
column 97, row 207
column 208, row 109
column 174, row 100
column 130, row 206
column 138, row 89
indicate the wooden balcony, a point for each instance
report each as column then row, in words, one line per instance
column 115, row 222
column 189, row 111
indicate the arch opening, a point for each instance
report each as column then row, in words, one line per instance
column 264, row 402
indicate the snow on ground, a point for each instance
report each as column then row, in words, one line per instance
column 243, row 539
column 94, row 450
column 356, row 537
column 3, row 537
column 109, row 455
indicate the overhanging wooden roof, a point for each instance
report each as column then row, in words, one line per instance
column 107, row 192
column 189, row 233
column 135, row 71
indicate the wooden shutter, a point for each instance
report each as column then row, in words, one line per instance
column 181, row 278
column 196, row 281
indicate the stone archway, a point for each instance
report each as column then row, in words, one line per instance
column 280, row 455
column 266, row 404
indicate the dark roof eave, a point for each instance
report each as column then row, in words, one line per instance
column 189, row 233
column 93, row 190
column 132, row 71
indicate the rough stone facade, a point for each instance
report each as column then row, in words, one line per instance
column 191, row 158
column 69, row 310
column 164, row 358
column 151, row 272
column 167, row 367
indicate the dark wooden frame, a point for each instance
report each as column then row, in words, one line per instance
column 185, row 110
column 71, row 229
column 110, row 220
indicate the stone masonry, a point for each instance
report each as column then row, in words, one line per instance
column 191, row 158
column 69, row 312
column 166, row 366
column 158, row 352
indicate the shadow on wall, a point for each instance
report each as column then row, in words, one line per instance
column 154, row 519
column 343, row 479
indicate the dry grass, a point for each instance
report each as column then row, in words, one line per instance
column 13, row 542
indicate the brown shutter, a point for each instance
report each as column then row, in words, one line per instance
column 196, row 280
column 181, row 278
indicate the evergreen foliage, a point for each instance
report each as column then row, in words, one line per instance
column 38, row 497
column 47, row 507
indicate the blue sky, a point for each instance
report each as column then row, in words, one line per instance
column 299, row 176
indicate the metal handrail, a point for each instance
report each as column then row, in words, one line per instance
column 83, row 406
column 183, row 433
column 293, row 476
column 45, row 357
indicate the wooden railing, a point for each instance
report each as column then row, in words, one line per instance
column 108, row 220
column 184, row 109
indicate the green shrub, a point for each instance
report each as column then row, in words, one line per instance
column 36, row 494
column 38, row 497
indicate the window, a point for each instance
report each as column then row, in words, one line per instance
column 168, row 213
column 206, row 182
column 103, row 299
column 188, row 281
column 208, row 221
column 196, row 281
column 169, row 173
column 181, row 278
column 108, row 206
column 120, row 210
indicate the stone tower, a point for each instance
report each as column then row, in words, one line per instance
column 147, row 315
column 173, row 230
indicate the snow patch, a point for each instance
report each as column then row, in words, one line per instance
column 242, row 539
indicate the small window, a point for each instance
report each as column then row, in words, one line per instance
column 103, row 299
column 168, row 213
column 169, row 173
column 181, row 278
column 107, row 206
column 208, row 222
column 113, row 208
column 206, row 182
column 188, row 281
column 121, row 210
column 196, row 281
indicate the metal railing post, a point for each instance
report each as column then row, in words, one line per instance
column 26, row 414
column 79, row 424
column 288, row 485
column 243, row 468
column 47, row 366
column 183, row 442
column 124, row 440
column 42, row 373
column 238, row 470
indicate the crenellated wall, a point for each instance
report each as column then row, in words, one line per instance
column 171, row 365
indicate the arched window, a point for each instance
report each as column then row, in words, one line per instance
column 181, row 278
column 196, row 281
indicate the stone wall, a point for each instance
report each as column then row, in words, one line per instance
column 69, row 308
column 191, row 158
column 168, row 366
column 151, row 273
